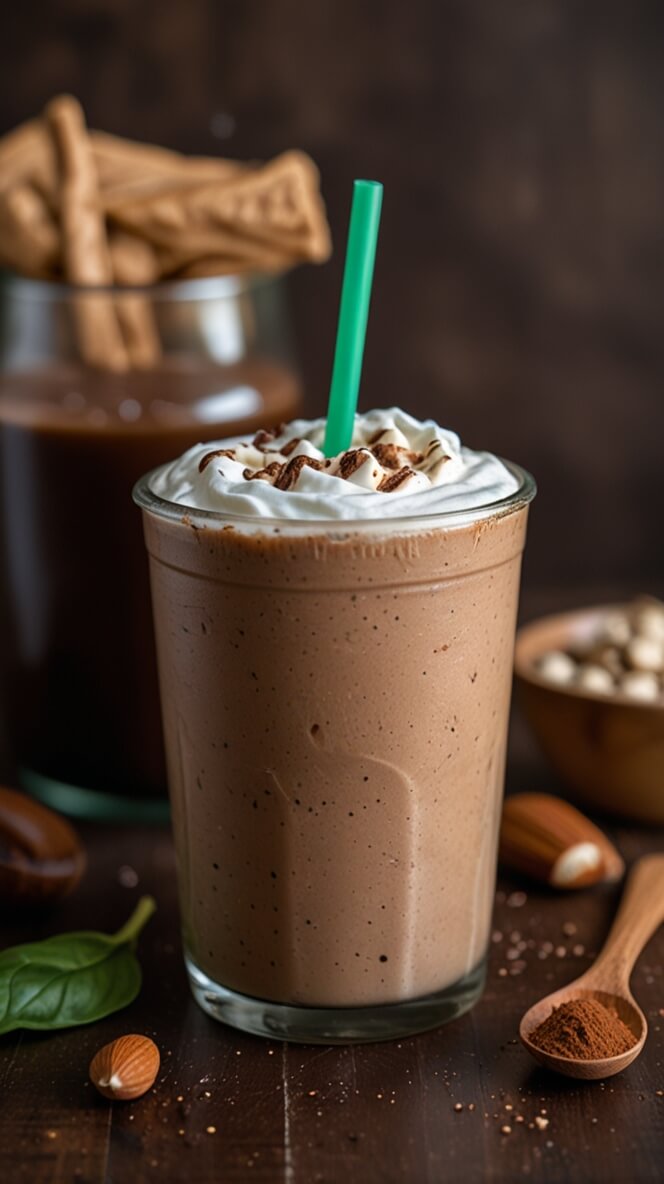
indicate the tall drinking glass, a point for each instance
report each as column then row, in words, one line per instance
column 335, row 700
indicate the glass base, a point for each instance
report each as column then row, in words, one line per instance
column 91, row 804
column 335, row 1025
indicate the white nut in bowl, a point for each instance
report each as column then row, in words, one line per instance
column 557, row 667
column 609, row 748
column 595, row 678
column 640, row 684
column 609, row 657
column 650, row 622
column 616, row 629
column 645, row 653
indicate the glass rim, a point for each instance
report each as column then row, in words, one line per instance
column 151, row 502
column 212, row 287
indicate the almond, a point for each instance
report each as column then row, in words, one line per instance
column 125, row 1068
column 550, row 840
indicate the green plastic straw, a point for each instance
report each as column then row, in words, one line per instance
column 353, row 314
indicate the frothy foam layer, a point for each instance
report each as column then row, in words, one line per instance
column 396, row 467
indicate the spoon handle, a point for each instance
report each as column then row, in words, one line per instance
column 641, row 912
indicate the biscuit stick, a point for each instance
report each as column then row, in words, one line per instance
column 232, row 250
column 273, row 208
column 134, row 262
column 277, row 204
column 211, row 265
column 29, row 237
column 26, row 157
column 86, row 256
column 128, row 168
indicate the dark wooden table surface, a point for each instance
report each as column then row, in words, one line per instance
column 229, row 1107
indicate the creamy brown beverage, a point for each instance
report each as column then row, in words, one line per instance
column 335, row 649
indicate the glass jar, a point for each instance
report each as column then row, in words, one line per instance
column 77, row 650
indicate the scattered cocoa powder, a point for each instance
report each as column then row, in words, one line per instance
column 583, row 1029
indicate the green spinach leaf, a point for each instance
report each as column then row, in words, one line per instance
column 74, row 978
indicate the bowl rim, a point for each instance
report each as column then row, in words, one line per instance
column 526, row 673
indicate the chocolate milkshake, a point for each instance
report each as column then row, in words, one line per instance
column 335, row 647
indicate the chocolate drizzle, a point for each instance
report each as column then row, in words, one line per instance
column 392, row 456
column 283, row 476
column 290, row 472
column 210, row 456
column 351, row 461
column 271, row 473
column 392, row 481
column 394, row 464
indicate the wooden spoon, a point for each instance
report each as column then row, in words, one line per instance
column 640, row 913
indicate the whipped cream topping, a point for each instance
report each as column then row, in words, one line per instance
column 396, row 467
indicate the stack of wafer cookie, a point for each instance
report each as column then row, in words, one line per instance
column 96, row 210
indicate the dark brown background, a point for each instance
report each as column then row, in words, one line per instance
column 520, row 274
column 520, row 277
column 519, row 299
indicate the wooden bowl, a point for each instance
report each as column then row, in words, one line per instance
column 610, row 750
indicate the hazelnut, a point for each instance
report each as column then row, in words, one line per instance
column 650, row 620
column 645, row 653
column 640, row 684
column 595, row 678
column 125, row 1068
column 616, row 629
column 606, row 656
column 557, row 667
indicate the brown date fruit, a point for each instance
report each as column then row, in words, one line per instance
column 41, row 858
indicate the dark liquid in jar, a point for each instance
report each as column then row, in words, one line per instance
column 77, row 650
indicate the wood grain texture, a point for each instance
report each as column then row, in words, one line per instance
column 518, row 280
column 363, row 1115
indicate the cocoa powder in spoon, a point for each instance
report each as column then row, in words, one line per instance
column 585, row 1030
